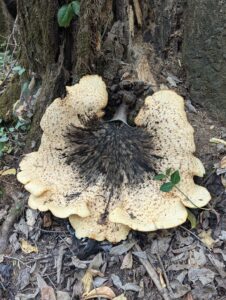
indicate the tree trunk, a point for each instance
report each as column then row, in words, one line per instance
column 204, row 53
column 113, row 38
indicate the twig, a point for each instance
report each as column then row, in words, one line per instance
column 7, row 75
column 17, row 259
column 164, row 273
column 59, row 262
column 8, row 41
column 195, row 235
column 152, row 273
column 13, row 214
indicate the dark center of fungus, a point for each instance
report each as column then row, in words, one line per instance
column 113, row 150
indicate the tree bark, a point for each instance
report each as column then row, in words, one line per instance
column 204, row 54
column 112, row 38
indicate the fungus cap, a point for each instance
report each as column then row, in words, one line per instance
column 56, row 186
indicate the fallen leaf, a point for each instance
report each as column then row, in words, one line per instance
column 219, row 265
column 127, row 262
column 96, row 273
column 28, row 248
column 116, row 281
column 99, row 281
column 127, row 287
column 120, row 297
column 47, row 220
column 87, row 281
column 131, row 287
column 47, row 293
column 140, row 254
column 59, row 262
column 104, row 292
column 14, row 241
column 23, row 279
column 190, row 107
column 40, row 281
column 122, row 248
column 188, row 297
column 207, row 239
column 63, row 295
column 223, row 235
column 31, row 217
column 204, row 275
column 78, row 263
column 23, row 227
column 8, row 172
column 96, row 262
column 192, row 219
column 20, row 296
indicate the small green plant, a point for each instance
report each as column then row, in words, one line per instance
column 18, row 69
column 67, row 12
column 9, row 136
column 172, row 178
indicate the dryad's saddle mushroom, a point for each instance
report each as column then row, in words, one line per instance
column 100, row 173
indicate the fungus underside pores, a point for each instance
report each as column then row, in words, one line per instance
column 100, row 174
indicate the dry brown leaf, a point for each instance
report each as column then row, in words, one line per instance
column 96, row 273
column 127, row 262
column 120, row 297
column 87, row 281
column 8, row 172
column 188, row 296
column 104, row 292
column 47, row 293
column 28, row 248
column 47, row 220
column 207, row 239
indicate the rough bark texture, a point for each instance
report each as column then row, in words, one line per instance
column 6, row 22
column 204, row 53
column 8, row 98
column 44, row 52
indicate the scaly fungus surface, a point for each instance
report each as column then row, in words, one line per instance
column 100, row 173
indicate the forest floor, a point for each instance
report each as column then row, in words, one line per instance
column 44, row 260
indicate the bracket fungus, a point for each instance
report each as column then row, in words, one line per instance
column 100, row 173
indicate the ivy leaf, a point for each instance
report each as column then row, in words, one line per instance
column 166, row 187
column 76, row 7
column 192, row 219
column 175, row 177
column 65, row 15
column 159, row 177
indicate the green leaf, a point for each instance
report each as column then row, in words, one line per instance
column 192, row 219
column 65, row 15
column 20, row 70
column 1, row 146
column 76, row 7
column 166, row 187
column 4, row 139
column 159, row 177
column 175, row 177
column 168, row 171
